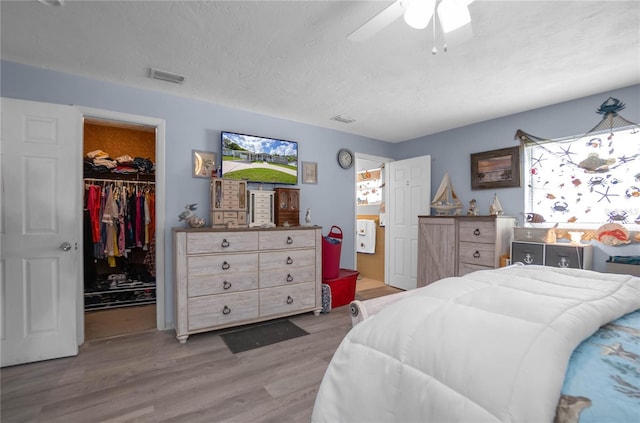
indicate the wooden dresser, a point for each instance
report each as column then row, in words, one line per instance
column 457, row 245
column 230, row 277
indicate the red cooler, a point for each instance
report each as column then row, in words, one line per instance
column 343, row 287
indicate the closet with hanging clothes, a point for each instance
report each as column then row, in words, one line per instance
column 119, row 222
column 119, row 228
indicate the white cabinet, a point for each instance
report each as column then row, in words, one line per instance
column 261, row 209
column 231, row 277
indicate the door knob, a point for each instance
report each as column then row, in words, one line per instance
column 65, row 246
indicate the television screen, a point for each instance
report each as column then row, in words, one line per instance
column 259, row 159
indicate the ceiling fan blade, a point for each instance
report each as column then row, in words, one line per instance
column 378, row 22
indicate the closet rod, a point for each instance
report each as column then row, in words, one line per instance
column 124, row 181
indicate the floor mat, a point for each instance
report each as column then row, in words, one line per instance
column 261, row 334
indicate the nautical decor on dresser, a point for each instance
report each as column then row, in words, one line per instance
column 307, row 218
column 495, row 209
column 612, row 234
column 446, row 201
column 190, row 217
column 473, row 211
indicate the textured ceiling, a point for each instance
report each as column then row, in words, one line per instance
column 291, row 59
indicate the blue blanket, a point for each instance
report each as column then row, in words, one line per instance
column 602, row 383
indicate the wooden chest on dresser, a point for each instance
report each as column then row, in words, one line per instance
column 228, row 202
column 457, row 245
column 287, row 206
column 231, row 277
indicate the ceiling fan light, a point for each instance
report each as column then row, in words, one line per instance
column 453, row 14
column 419, row 13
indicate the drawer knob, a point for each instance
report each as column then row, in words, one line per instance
column 224, row 243
column 476, row 232
column 226, row 285
column 289, row 300
column 476, row 254
column 289, row 260
column 226, row 266
column 226, row 310
column 289, row 278
column 289, row 240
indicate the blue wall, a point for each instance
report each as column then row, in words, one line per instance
column 193, row 124
column 450, row 150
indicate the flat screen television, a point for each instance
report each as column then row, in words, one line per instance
column 259, row 159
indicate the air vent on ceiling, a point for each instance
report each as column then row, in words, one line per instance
column 342, row 119
column 166, row 76
column 55, row 3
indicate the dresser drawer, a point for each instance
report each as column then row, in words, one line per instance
column 465, row 268
column 262, row 201
column 287, row 276
column 224, row 309
column 477, row 253
column 262, row 213
column 477, row 231
column 287, row 299
column 563, row 256
column 218, row 284
column 527, row 253
column 287, row 259
column 273, row 240
column 221, row 242
column 221, row 264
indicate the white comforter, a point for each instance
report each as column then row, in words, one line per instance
column 491, row 346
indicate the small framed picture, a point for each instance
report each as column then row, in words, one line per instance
column 202, row 163
column 496, row 168
column 309, row 172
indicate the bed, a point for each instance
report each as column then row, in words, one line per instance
column 491, row 346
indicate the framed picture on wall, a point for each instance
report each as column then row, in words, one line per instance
column 496, row 168
column 202, row 163
column 309, row 172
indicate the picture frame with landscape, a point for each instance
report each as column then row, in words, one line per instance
column 496, row 168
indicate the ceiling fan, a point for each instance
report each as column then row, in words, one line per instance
column 452, row 14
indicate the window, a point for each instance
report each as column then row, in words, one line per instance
column 369, row 187
column 584, row 181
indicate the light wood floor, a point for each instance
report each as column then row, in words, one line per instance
column 118, row 321
column 149, row 377
column 363, row 284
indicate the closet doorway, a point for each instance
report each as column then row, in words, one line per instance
column 119, row 228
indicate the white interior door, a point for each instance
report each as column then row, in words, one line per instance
column 41, row 211
column 409, row 196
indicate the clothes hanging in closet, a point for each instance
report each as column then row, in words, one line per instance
column 121, row 217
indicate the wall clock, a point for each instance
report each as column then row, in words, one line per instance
column 345, row 158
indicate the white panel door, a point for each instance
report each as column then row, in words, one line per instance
column 409, row 194
column 41, row 211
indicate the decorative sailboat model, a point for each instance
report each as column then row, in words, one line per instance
column 446, row 201
column 495, row 209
